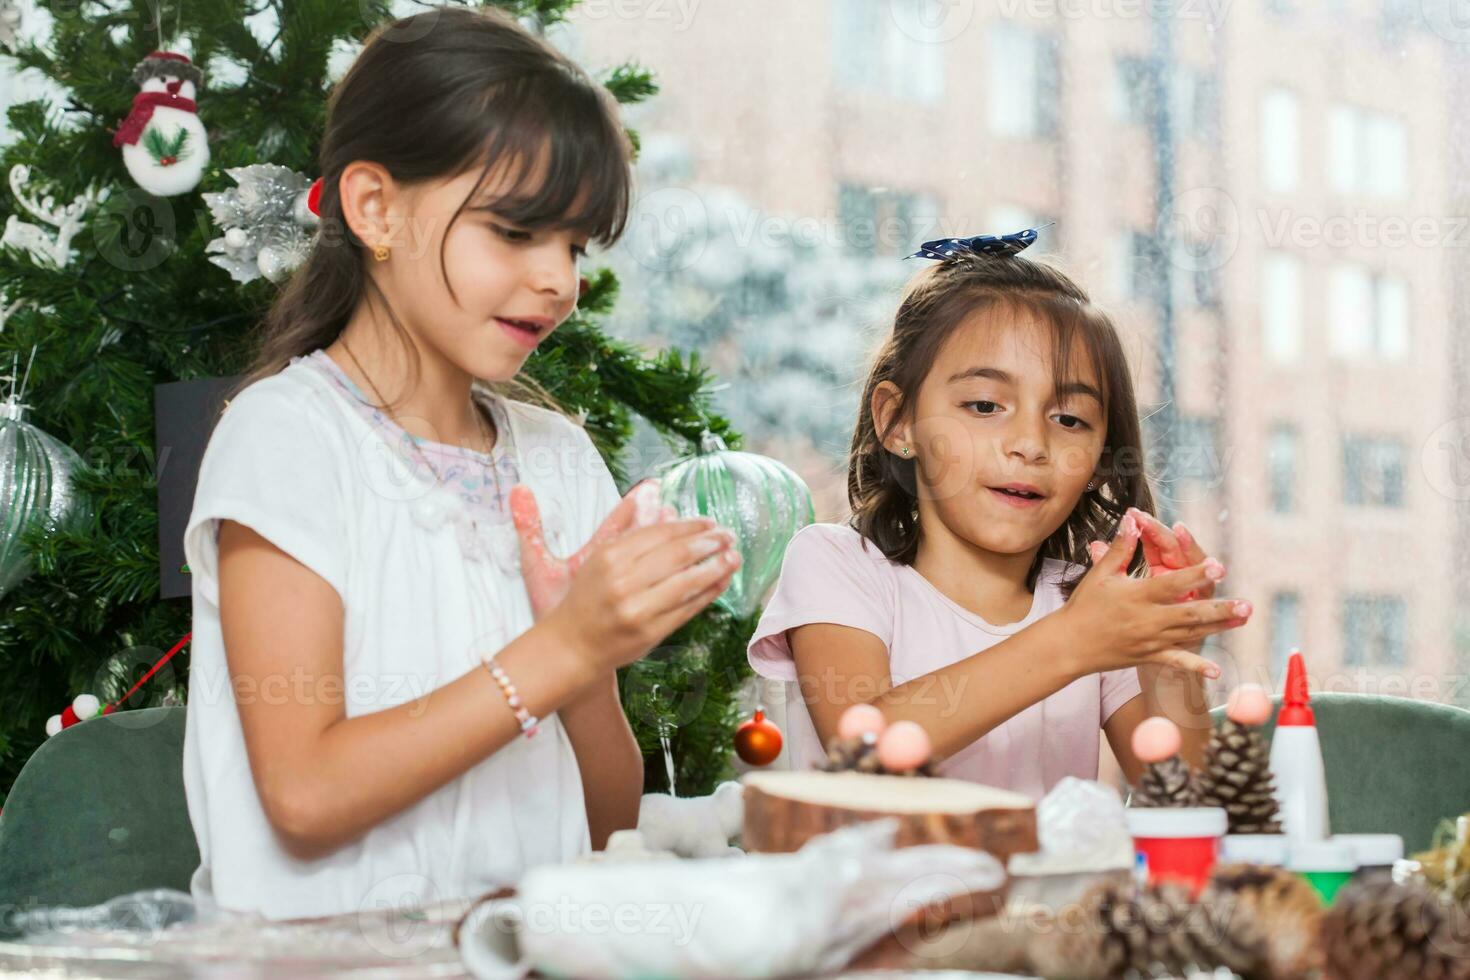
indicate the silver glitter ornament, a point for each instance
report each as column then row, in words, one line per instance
column 267, row 227
column 758, row 498
column 35, row 487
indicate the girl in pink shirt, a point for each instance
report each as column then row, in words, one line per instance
column 997, row 442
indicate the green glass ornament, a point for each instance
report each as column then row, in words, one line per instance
column 35, row 487
column 761, row 500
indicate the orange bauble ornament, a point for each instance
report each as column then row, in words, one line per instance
column 758, row 741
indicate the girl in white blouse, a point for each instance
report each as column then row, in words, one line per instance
column 411, row 591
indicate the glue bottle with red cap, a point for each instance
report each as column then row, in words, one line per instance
column 1296, row 759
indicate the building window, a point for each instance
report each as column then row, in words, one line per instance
column 885, row 222
column 1137, row 265
column 1281, row 307
column 1022, row 78
column 1199, row 440
column 1193, row 450
column 1372, row 472
column 871, row 52
column 1132, row 90
column 1397, row 18
column 1369, row 313
column 1196, row 104
column 1280, row 141
column 1281, row 460
column 1286, row 629
column 1373, row 631
column 1367, row 152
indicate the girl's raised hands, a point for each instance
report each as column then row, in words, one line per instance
column 1119, row 621
column 547, row 576
column 633, row 584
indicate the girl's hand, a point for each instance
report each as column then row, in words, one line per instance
column 547, row 576
column 627, row 593
column 1121, row 621
column 1167, row 549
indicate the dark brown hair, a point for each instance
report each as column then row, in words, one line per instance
column 882, row 489
column 431, row 97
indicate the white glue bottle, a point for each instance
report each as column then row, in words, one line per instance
column 1296, row 760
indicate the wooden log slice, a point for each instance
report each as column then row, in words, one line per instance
column 784, row 810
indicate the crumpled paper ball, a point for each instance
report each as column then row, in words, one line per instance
column 1082, row 826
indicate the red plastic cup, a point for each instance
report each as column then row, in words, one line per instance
column 1178, row 844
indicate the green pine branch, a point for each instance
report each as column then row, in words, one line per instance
column 165, row 148
column 629, row 83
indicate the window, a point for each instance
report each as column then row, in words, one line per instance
column 1286, row 629
column 877, row 221
column 915, row 220
column 1022, row 79
column 1197, row 450
column 1397, row 18
column 1367, row 152
column 1136, row 266
column 872, row 53
column 1369, row 313
column 1373, row 631
column 1201, row 286
column 1196, row 104
column 1280, row 141
column 1132, row 95
column 1372, row 472
column 1281, row 460
column 1281, row 307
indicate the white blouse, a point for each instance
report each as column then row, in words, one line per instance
column 429, row 583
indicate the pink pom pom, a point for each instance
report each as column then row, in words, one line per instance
column 1249, row 704
column 861, row 719
column 1155, row 739
column 905, row 745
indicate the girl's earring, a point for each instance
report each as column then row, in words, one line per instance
column 905, row 451
column 380, row 252
column 1091, row 485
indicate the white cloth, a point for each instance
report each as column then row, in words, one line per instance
column 426, row 591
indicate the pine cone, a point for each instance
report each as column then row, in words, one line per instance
column 1237, row 776
column 1153, row 930
column 1380, row 930
column 1167, row 783
column 860, row 754
column 1282, row 906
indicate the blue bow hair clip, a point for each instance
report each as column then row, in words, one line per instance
column 948, row 248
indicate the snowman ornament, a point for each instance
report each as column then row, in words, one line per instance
column 164, row 145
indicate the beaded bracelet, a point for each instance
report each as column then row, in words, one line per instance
column 529, row 722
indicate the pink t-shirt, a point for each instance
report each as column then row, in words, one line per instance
column 829, row 577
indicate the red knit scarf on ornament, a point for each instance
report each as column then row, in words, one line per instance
column 131, row 128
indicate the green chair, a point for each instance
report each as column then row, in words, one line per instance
column 98, row 812
column 1394, row 765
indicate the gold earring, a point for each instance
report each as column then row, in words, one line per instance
column 380, row 252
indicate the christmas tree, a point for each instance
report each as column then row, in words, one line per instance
column 136, row 302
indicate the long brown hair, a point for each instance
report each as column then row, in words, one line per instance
column 882, row 489
column 431, row 96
